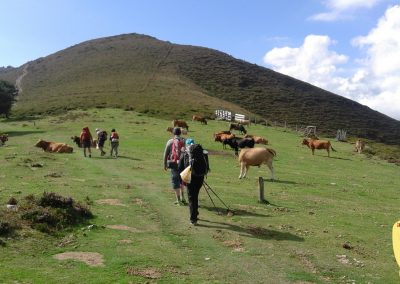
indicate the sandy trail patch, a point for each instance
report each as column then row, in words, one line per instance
column 90, row 258
column 236, row 245
column 115, row 202
column 123, row 228
column 125, row 242
column 150, row 273
column 139, row 202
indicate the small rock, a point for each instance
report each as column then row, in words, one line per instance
column 12, row 207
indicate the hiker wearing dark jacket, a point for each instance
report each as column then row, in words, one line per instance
column 196, row 181
column 171, row 158
column 101, row 138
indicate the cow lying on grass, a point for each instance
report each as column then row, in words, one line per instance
column 255, row 157
column 257, row 139
column 180, row 123
column 54, row 147
column 318, row 144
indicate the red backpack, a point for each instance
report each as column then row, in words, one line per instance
column 177, row 145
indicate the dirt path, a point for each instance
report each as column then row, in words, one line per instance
column 18, row 82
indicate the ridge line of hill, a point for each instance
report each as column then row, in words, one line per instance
column 163, row 79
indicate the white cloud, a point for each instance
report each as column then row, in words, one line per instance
column 340, row 9
column 312, row 62
column 375, row 80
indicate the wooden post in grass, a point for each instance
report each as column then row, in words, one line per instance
column 261, row 189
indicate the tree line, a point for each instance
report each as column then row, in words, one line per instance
column 8, row 95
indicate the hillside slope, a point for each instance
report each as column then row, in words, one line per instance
column 168, row 80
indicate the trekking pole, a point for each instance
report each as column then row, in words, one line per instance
column 210, row 197
column 206, row 186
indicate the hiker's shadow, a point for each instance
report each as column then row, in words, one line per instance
column 119, row 157
column 252, row 231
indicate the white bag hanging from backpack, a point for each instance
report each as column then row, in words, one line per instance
column 186, row 174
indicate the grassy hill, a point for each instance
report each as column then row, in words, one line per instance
column 318, row 205
column 144, row 74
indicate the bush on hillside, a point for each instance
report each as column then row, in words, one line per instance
column 49, row 213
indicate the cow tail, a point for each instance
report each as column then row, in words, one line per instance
column 333, row 149
column 272, row 151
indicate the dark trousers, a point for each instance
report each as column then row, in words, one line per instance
column 193, row 196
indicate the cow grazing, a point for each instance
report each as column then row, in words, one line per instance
column 222, row 137
column 3, row 139
column 237, row 127
column 199, row 118
column 171, row 129
column 318, row 144
column 180, row 123
column 256, row 157
column 237, row 142
column 77, row 141
column 54, row 147
column 360, row 146
column 257, row 139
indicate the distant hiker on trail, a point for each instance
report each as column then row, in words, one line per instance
column 114, row 141
column 101, row 138
column 86, row 140
column 172, row 154
column 195, row 157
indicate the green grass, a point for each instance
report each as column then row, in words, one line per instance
column 317, row 205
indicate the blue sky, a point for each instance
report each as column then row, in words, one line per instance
column 349, row 47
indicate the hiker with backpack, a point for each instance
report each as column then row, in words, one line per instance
column 101, row 139
column 172, row 153
column 114, row 142
column 86, row 140
column 195, row 157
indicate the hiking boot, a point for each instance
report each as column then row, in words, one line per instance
column 184, row 202
column 193, row 223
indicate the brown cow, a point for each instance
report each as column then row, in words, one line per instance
column 199, row 118
column 221, row 137
column 360, row 146
column 318, row 144
column 54, row 147
column 3, row 139
column 180, row 123
column 255, row 157
column 257, row 139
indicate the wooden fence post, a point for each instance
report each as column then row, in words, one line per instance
column 261, row 187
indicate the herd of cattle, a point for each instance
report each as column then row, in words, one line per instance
column 249, row 156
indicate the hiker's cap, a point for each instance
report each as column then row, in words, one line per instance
column 176, row 131
column 189, row 141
